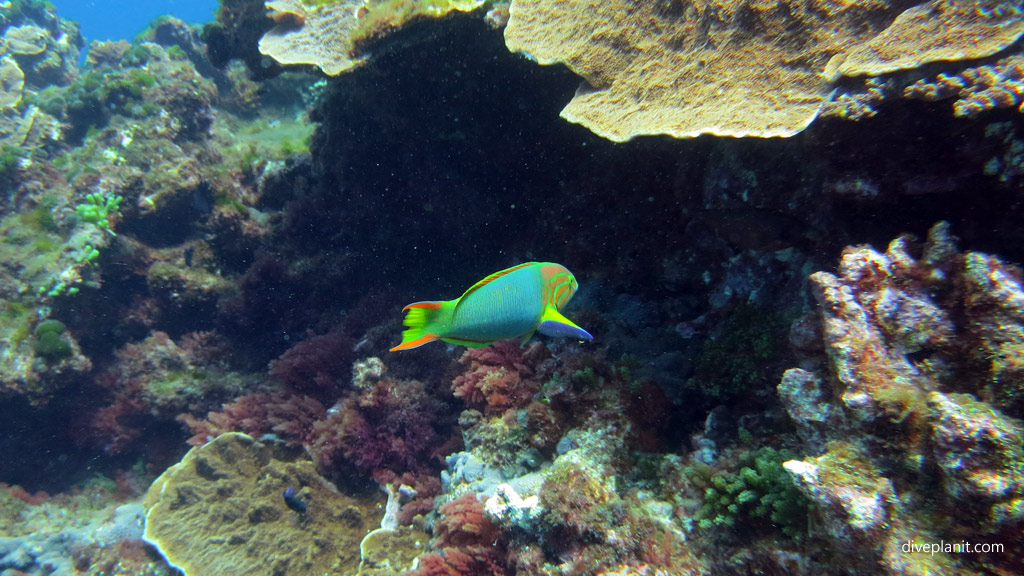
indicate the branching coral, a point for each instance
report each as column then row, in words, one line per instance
column 976, row 89
column 759, row 492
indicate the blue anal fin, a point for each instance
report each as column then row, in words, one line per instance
column 562, row 330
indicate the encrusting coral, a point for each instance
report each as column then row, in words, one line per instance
column 225, row 510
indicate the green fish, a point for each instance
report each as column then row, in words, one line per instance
column 513, row 303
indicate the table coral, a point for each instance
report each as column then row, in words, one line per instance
column 317, row 35
column 735, row 68
column 682, row 69
column 221, row 511
column 27, row 39
column 934, row 31
column 45, row 45
column 330, row 34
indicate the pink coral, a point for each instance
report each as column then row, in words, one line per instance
column 115, row 427
column 154, row 380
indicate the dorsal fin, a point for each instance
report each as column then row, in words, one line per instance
column 493, row 277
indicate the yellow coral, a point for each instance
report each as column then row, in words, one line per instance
column 27, row 39
column 12, row 82
column 739, row 67
column 220, row 511
column 937, row 30
column 331, row 35
column 724, row 67
column 319, row 35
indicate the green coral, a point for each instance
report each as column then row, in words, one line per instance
column 49, row 343
column 760, row 491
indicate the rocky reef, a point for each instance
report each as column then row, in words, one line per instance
column 205, row 251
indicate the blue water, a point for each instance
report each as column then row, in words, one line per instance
column 123, row 19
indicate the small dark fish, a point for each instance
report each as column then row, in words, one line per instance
column 189, row 252
column 203, row 198
column 291, row 498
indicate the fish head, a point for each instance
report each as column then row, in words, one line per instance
column 559, row 284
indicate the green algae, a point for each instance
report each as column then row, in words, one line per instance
column 248, row 146
column 184, row 381
column 49, row 343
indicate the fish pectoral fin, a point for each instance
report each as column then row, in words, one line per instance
column 552, row 323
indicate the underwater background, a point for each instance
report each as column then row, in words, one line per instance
column 795, row 228
column 108, row 20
